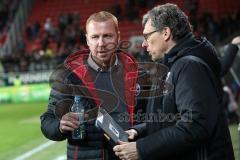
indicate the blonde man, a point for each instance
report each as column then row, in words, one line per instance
column 108, row 76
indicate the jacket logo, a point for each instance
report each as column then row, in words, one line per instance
column 138, row 89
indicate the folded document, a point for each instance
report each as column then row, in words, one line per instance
column 110, row 127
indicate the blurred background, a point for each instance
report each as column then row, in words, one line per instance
column 37, row 35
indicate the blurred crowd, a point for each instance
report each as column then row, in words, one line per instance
column 7, row 12
column 216, row 29
column 49, row 47
column 51, row 42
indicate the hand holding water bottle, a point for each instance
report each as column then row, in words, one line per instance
column 74, row 120
column 69, row 122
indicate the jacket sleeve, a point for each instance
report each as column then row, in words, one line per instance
column 141, row 129
column 49, row 121
column 228, row 58
column 197, row 103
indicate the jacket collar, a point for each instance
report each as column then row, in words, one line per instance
column 178, row 50
column 189, row 45
column 96, row 67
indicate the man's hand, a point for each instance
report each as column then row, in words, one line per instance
column 126, row 151
column 236, row 40
column 132, row 134
column 69, row 122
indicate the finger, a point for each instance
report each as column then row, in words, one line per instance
column 119, row 154
column 121, row 142
column 69, row 124
column 71, row 119
column 73, row 115
column 66, row 129
column 116, row 148
column 122, row 157
column 130, row 134
column 128, row 131
column 131, row 137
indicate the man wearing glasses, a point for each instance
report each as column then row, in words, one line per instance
column 194, row 126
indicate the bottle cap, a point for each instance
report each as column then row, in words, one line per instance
column 77, row 98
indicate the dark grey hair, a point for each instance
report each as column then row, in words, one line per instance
column 169, row 15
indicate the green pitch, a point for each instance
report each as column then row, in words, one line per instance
column 235, row 140
column 20, row 133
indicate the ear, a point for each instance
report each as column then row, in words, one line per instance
column 118, row 37
column 86, row 35
column 167, row 33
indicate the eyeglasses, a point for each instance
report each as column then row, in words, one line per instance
column 147, row 35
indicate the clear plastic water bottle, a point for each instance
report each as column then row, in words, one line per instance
column 78, row 108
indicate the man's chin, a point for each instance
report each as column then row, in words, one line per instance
column 156, row 58
column 104, row 60
column 153, row 58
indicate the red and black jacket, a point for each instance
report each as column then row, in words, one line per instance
column 76, row 72
column 76, row 63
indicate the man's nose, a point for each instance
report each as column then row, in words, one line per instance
column 144, row 44
column 101, row 42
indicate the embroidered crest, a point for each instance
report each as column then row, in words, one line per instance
column 138, row 89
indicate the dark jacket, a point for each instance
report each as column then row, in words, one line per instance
column 66, row 82
column 190, row 122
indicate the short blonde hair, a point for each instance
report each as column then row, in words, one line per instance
column 101, row 17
